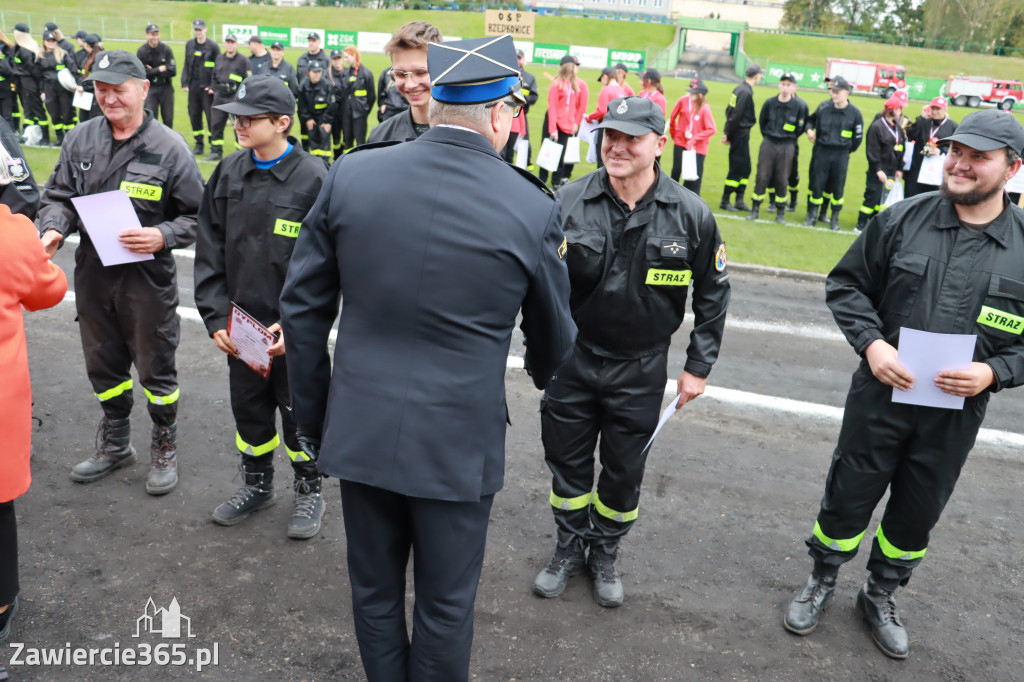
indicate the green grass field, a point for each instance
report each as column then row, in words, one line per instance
column 920, row 63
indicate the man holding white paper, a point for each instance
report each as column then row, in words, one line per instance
column 949, row 263
column 127, row 312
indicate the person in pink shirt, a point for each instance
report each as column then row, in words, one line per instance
column 621, row 71
column 610, row 89
column 567, row 102
column 650, row 82
column 691, row 125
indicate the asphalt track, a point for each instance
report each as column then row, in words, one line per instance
column 731, row 490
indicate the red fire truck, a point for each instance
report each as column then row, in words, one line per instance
column 971, row 91
column 880, row 79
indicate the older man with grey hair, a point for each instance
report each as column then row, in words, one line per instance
column 127, row 313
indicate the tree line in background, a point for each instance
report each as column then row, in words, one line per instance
column 985, row 26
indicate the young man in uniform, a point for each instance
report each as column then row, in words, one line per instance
column 314, row 54
column 252, row 208
column 259, row 58
column 782, row 122
column 950, row 262
column 740, row 117
column 884, row 146
column 933, row 125
column 637, row 242
column 317, row 107
column 836, row 128
column 127, row 314
column 160, row 71
column 408, row 51
column 279, row 68
column 230, row 69
column 200, row 59
column 415, row 428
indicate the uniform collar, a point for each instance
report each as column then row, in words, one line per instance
column 998, row 229
column 664, row 191
column 280, row 170
column 463, row 138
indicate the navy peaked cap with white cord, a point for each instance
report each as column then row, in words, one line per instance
column 474, row 71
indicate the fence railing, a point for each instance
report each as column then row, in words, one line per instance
column 904, row 41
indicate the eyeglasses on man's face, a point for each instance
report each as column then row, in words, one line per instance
column 514, row 106
column 417, row 75
column 245, row 122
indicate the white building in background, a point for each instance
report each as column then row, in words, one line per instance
column 654, row 8
column 756, row 13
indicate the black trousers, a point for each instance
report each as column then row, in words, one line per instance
column 739, row 161
column 7, row 105
column 9, row 586
column 618, row 401
column 509, row 151
column 126, row 318
column 873, row 188
column 354, row 129
column 774, row 164
column 677, row 169
column 58, row 106
column 161, row 97
column 914, row 452
column 200, row 104
column 447, row 541
column 31, row 103
column 219, row 120
column 828, row 174
column 254, row 402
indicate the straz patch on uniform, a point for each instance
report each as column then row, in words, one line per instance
column 670, row 248
column 997, row 319
column 140, row 190
column 563, row 248
column 287, row 228
column 720, row 258
column 676, row 278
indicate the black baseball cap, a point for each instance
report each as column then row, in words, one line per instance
column 80, row 35
column 198, row 23
column 92, row 39
column 49, row 26
column 231, row 38
column 697, row 87
column 606, row 71
column 839, row 83
column 335, row 54
column 634, row 116
column 989, row 130
column 261, row 94
column 255, row 39
column 753, row 70
column 152, row 28
column 651, row 75
column 622, row 67
column 276, row 45
column 48, row 35
column 313, row 36
column 788, row 76
column 569, row 59
column 22, row 27
column 315, row 65
column 115, row 67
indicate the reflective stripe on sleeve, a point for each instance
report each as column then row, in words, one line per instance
column 847, row 545
column 892, row 551
column 115, row 391
column 257, row 450
column 570, row 503
column 297, row 455
column 609, row 513
column 162, row 399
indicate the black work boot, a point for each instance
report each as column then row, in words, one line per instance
column 46, row 136
column 862, row 222
column 793, row 196
column 309, row 502
column 163, row 460
column 257, row 491
column 6, row 618
column 740, row 204
column 216, row 152
column 725, row 205
column 566, row 562
column 113, row 451
column 823, row 212
column 812, row 214
column 807, row 606
column 876, row 604
column 755, row 210
column 199, row 148
column 60, row 138
column 601, row 566
column 834, row 223
column 780, row 212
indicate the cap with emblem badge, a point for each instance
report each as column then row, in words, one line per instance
column 839, row 83
column 198, row 23
column 634, row 116
column 474, row 71
column 313, row 36
column 261, row 94
column 337, row 54
column 276, row 45
column 569, row 59
column 231, row 38
column 152, row 28
column 697, row 87
column 115, row 67
column 49, row 26
column 48, row 35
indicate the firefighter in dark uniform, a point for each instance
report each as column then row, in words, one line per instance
column 8, row 90
column 884, row 146
column 836, row 128
column 252, row 208
column 419, row 446
column 28, row 76
column 740, row 117
column 127, row 313
column 19, row 192
column 949, row 262
column 62, row 42
column 95, row 46
column 232, row 67
column 52, row 61
column 782, row 122
column 200, row 59
column 317, row 105
column 160, row 70
column 359, row 98
column 281, row 69
column 637, row 241
column 314, row 54
column 389, row 102
column 933, row 125
column 339, row 84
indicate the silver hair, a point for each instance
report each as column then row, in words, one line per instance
column 475, row 116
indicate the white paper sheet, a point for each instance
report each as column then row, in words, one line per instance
column 668, row 412
column 689, row 171
column 251, row 339
column 105, row 216
column 522, row 155
column 82, row 100
column 908, row 154
column 924, row 355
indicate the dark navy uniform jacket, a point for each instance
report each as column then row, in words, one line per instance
column 435, row 246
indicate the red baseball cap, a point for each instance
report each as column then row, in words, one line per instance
column 895, row 102
column 940, row 102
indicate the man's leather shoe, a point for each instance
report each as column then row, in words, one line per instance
column 876, row 604
column 806, row 608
